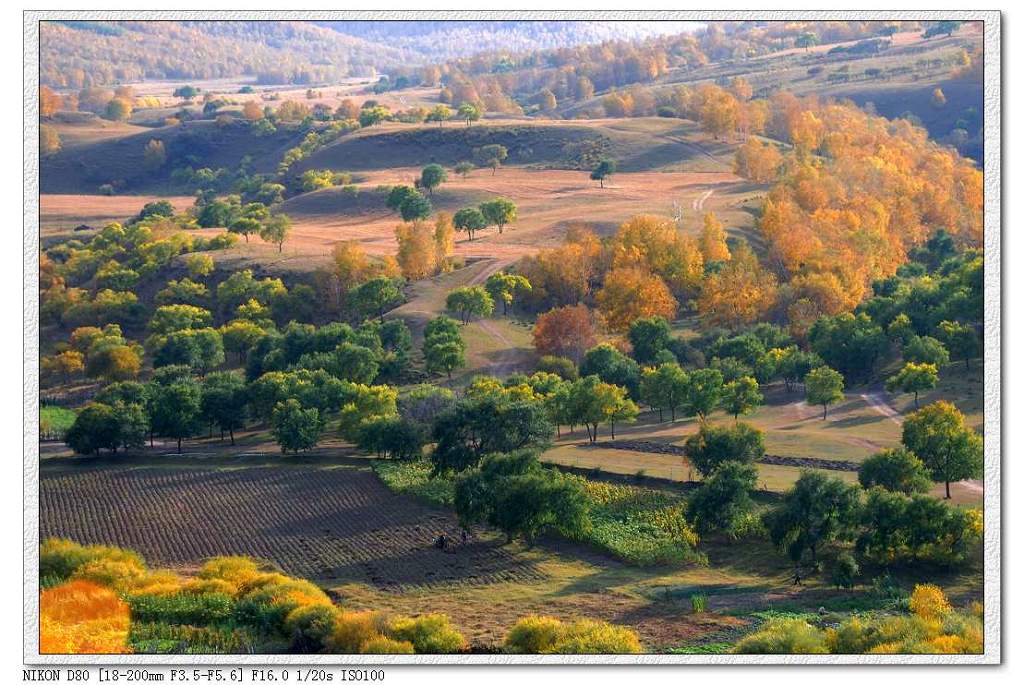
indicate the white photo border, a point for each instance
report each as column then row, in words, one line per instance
column 992, row 329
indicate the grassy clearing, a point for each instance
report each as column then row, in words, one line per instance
column 54, row 422
column 640, row 526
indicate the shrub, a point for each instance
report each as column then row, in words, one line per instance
column 844, row 570
column 60, row 558
column 596, row 637
column 533, row 635
column 352, row 630
column 385, row 645
column 429, row 634
column 310, row 627
column 929, row 601
column 182, row 608
column 546, row 635
column 81, row 617
column 784, row 636
column 118, row 574
column 236, row 571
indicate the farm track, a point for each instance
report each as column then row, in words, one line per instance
column 774, row 459
column 332, row 525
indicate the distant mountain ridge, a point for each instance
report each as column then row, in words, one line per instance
column 78, row 54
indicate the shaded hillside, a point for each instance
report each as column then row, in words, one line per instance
column 964, row 99
column 82, row 169
column 649, row 144
column 548, row 146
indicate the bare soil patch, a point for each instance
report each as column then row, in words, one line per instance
column 330, row 524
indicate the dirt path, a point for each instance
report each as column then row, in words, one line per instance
column 698, row 204
column 878, row 402
column 499, row 369
column 973, row 486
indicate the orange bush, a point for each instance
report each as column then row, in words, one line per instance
column 80, row 617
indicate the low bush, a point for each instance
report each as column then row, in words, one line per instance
column 429, row 634
column 182, row 608
column 547, row 635
column 385, row 645
column 81, row 617
column 310, row 627
column 784, row 636
column 932, row 627
column 352, row 630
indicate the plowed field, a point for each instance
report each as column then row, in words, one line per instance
column 329, row 524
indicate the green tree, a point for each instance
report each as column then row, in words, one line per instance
column 611, row 366
column 118, row 109
column 604, row 169
column 648, row 337
column 504, row 287
column 913, row 378
column 432, row 176
column 375, row 296
column 240, row 336
column 470, row 220
column 295, row 427
column 201, row 349
column 245, row 226
column 372, row 116
column 898, row 528
column 443, row 347
column 397, row 195
column 440, row 113
column 899, row 470
column 176, row 408
column 824, row 386
column 186, row 92
column 704, row 393
column 961, row 340
column 516, row 495
column 939, row 435
column 469, row 301
column 499, row 212
column 712, row 446
column 849, row 343
column 225, row 401
column 469, row 113
column 276, row 229
column 816, row 511
column 464, row 169
column 415, row 206
column 741, row 396
column 592, row 402
column 923, row 349
column 723, row 502
column 806, row 40
column 491, row 156
column 664, row 387
column 485, row 424
column 104, row 426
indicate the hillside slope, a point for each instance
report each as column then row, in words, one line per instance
column 83, row 168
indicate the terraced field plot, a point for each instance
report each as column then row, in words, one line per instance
column 330, row 524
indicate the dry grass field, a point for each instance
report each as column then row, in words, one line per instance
column 59, row 215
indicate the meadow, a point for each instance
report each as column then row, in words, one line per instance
column 269, row 331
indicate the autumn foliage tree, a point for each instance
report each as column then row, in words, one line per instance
column 631, row 293
column 741, row 293
column 712, row 240
column 565, row 332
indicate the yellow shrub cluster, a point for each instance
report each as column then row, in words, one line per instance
column 546, row 635
column 931, row 627
column 81, row 617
